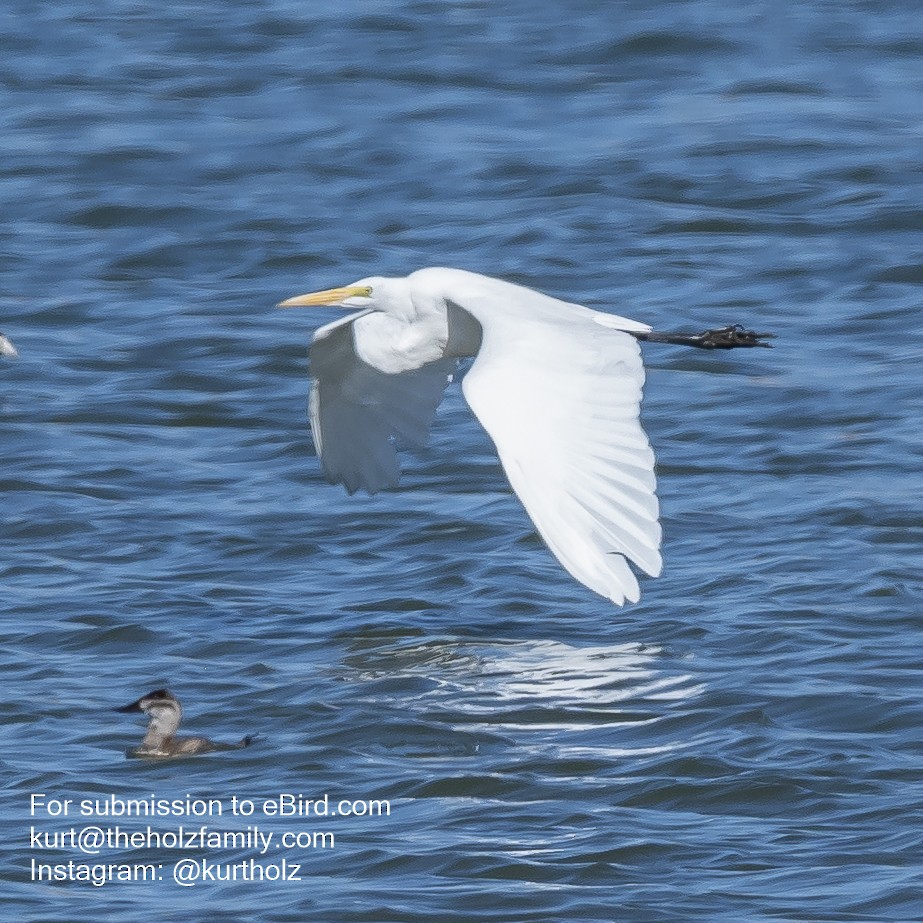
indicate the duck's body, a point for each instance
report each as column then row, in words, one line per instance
column 160, row 741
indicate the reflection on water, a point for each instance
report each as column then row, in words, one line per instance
column 549, row 671
column 531, row 686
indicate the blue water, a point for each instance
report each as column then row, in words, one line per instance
column 742, row 745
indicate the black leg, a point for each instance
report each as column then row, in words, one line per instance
column 725, row 338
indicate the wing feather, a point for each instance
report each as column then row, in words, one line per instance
column 562, row 405
column 357, row 411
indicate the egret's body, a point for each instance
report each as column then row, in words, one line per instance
column 7, row 348
column 556, row 385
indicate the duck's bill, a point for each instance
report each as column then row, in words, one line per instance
column 135, row 706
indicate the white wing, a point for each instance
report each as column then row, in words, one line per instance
column 561, row 402
column 357, row 411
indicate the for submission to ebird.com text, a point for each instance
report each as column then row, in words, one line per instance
column 200, row 832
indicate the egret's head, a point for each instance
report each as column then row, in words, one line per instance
column 375, row 293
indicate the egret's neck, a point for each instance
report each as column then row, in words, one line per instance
column 440, row 305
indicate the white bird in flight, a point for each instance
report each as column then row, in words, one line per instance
column 7, row 348
column 556, row 385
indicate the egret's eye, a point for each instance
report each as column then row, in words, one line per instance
column 367, row 291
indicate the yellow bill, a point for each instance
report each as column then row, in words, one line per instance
column 330, row 296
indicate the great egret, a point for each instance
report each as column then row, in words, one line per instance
column 7, row 348
column 556, row 385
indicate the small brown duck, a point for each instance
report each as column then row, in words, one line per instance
column 165, row 713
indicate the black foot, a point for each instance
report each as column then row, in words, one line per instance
column 730, row 337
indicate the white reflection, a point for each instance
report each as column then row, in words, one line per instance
column 535, row 683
